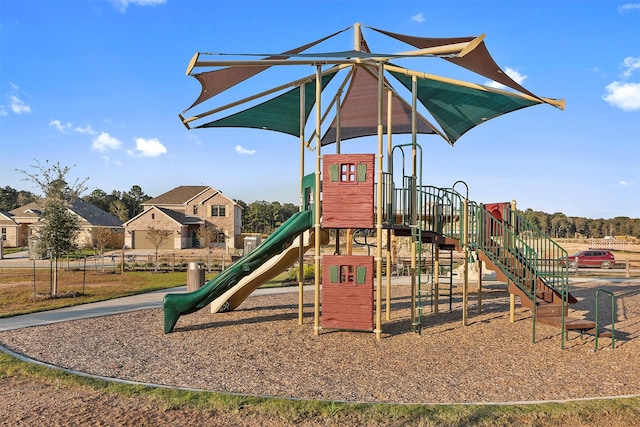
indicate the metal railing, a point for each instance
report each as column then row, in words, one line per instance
column 613, row 317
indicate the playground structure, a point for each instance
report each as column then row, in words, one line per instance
column 381, row 192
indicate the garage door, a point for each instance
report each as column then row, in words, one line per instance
column 140, row 241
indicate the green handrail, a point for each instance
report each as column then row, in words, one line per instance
column 613, row 317
column 518, row 247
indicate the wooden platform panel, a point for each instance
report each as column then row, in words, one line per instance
column 570, row 323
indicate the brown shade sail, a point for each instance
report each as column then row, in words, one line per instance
column 359, row 111
column 217, row 81
column 478, row 60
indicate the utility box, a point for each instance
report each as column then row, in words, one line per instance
column 250, row 243
column 195, row 276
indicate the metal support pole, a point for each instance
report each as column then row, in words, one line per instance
column 512, row 308
column 479, row 286
column 379, row 207
column 302, row 206
column 316, row 201
column 436, row 279
column 465, row 289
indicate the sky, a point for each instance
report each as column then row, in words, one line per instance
column 97, row 85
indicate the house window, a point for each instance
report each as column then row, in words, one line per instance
column 153, row 216
column 4, row 233
column 218, row 210
column 347, row 274
column 347, row 172
column 195, row 209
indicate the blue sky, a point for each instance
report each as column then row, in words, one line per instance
column 98, row 85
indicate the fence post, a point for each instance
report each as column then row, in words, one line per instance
column 628, row 272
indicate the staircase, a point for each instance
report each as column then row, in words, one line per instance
column 522, row 256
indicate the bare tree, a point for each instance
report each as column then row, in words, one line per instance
column 157, row 237
column 100, row 238
column 208, row 234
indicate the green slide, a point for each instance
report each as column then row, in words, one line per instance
column 175, row 305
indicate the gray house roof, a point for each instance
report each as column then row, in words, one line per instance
column 85, row 210
column 94, row 215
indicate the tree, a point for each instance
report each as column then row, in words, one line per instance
column 10, row 198
column 98, row 198
column 207, row 235
column 133, row 200
column 61, row 226
column 100, row 238
column 560, row 224
column 157, row 237
column 119, row 209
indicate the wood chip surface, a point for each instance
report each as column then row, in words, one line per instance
column 260, row 349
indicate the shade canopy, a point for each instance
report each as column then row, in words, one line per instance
column 455, row 106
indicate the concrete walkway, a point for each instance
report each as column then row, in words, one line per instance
column 84, row 311
column 114, row 306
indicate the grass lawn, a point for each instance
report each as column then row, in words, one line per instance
column 24, row 290
column 276, row 411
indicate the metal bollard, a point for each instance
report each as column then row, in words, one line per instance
column 195, row 276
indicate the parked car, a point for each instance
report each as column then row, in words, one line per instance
column 591, row 258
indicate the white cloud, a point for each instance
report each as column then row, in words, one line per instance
column 122, row 5
column 622, row 183
column 59, row 126
column 17, row 105
column 148, row 148
column 104, row 142
column 241, row 150
column 419, row 18
column 628, row 6
column 623, row 94
column 87, row 130
column 3, row 111
column 630, row 65
column 514, row 74
column 15, row 101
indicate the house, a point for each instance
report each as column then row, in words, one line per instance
column 183, row 211
column 24, row 222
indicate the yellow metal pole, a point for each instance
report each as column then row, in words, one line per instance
column 512, row 308
column 379, row 208
column 558, row 103
column 414, row 200
column 301, row 251
column 316, row 201
column 389, row 199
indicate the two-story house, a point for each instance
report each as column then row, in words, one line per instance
column 183, row 211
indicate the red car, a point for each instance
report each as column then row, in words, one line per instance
column 592, row 258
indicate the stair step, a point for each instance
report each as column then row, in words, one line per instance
column 546, row 309
column 570, row 323
column 605, row 334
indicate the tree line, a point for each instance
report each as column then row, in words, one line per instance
column 264, row 217
column 559, row 225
